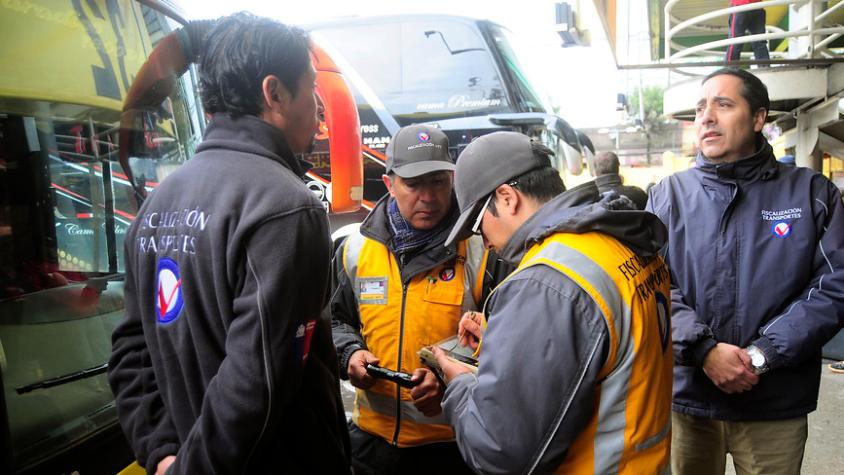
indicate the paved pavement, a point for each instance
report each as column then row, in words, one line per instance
column 825, row 447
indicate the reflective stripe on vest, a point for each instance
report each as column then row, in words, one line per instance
column 629, row 432
column 396, row 324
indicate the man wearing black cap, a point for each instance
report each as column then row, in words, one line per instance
column 575, row 363
column 397, row 289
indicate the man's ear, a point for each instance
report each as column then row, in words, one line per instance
column 759, row 119
column 275, row 95
column 506, row 199
column 388, row 183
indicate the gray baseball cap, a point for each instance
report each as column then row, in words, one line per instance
column 418, row 149
column 483, row 166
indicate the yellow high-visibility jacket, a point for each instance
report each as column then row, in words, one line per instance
column 398, row 317
column 575, row 368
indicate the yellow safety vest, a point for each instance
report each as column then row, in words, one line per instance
column 397, row 320
column 629, row 432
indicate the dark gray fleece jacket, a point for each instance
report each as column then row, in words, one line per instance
column 222, row 358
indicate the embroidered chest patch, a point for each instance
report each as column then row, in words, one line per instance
column 447, row 274
column 781, row 229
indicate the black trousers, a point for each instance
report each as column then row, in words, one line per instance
column 742, row 23
column 372, row 455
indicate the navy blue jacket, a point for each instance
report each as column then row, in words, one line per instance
column 756, row 251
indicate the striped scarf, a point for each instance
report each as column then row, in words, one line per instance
column 406, row 238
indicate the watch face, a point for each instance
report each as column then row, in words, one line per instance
column 757, row 359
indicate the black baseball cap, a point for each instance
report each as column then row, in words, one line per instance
column 416, row 150
column 483, row 166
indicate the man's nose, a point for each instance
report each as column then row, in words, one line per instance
column 427, row 193
column 706, row 115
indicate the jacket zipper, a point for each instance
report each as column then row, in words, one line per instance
column 398, row 368
column 722, row 236
column 401, row 338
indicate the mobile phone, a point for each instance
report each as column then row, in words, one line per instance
column 402, row 379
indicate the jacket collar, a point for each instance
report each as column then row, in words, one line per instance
column 252, row 135
column 761, row 165
column 376, row 226
column 580, row 195
column 611, row 180
column 581, row 210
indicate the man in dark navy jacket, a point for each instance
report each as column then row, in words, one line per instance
column 222, row 363
column 756, row 251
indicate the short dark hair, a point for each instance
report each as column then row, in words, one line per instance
column 753, row 90
column 541, row 184
column 605, row 163
column 240, row 52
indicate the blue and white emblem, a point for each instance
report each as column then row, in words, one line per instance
column 423, row 137
column 781, row 229
column 168, row 285
column 663, row 314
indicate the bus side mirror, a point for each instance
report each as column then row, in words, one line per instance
column 568, row 147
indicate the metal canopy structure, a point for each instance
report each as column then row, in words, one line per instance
column 805, row 74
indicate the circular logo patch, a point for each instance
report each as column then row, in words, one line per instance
column 781, row 229
column 423, row 136
column 168, row 298
column 663, row 315
column 447, row 274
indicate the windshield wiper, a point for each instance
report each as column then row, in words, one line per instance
column 64, row 379
column 453, row 52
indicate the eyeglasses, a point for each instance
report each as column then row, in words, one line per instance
column 476, row 228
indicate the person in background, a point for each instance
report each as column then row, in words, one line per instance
column 756, row 252
column 605, row 168
column 742, row 23
column 222, row 363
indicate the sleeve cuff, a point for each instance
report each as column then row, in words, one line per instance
column 699, row 350
column 158, row 455
column 345, row 357
column 772, row 357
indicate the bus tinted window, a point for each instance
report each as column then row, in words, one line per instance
column 66, row 203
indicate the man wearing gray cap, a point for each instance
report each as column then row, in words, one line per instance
column 397, row 289
column 575, row 362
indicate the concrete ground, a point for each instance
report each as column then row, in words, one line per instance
column 825, row 447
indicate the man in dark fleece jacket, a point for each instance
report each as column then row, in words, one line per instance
column 756, row 251
column 223, row 364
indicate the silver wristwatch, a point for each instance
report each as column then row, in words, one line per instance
column 757, row 359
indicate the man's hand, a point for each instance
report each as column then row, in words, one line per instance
column 449, row 368
column 728, row 366
column 357, row 369
column 470, row 328
column 164, row 464
column 428, row 392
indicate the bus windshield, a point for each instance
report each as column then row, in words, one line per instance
column 421, row 69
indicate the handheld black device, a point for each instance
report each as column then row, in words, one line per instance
column 402, row 379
